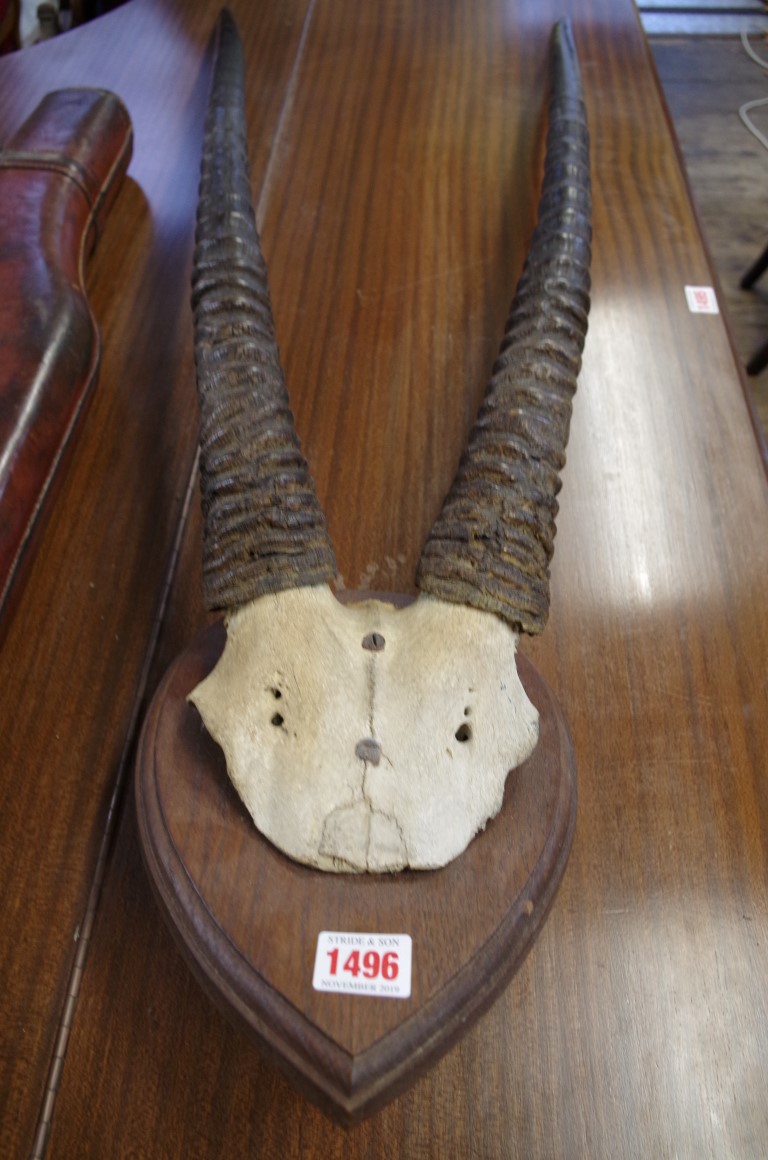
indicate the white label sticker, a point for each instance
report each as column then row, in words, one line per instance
column 363, row 964
column 701, row 300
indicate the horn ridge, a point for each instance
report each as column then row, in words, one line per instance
column 492, row 543
column 264, row 530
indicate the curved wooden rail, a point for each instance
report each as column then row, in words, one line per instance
column 59, row 175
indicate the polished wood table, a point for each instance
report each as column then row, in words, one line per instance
column 395, row 152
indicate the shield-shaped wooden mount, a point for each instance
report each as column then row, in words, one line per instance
column 249, row 919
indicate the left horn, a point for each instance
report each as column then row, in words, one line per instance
column 264, row 528
column 491, row 545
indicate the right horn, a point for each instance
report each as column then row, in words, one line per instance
column 264, row 530
column 492, row 543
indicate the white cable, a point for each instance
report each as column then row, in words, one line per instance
column 744, row 112
column 751, row 52
column 746, row 108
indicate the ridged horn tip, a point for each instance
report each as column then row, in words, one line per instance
column 264, row 530
column 492, row 543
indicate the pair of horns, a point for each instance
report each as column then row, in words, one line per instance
column 492, row 543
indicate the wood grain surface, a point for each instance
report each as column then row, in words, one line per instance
column 705, row 82
column 395, row 152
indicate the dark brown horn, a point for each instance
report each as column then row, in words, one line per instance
column 264, row 528
column 493, row 541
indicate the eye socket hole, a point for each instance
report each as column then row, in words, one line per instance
column 463, row 733
column 277, row 719
column 276, row 693
column 374, row 642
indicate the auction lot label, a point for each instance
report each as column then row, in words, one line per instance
column 354, row 963
column 701, row 300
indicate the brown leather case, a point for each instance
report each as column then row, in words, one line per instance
column 59, row 175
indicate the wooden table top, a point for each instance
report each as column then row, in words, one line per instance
column 395, row 149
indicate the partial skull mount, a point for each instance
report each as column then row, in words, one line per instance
column 368, row 737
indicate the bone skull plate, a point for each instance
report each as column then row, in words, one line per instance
column 368, row 737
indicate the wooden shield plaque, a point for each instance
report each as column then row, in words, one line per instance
column 249, row 919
